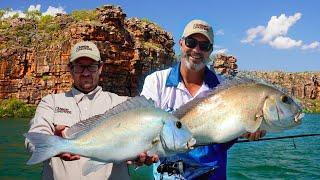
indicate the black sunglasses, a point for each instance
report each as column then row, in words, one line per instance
column 79, row 68
column 192, row 43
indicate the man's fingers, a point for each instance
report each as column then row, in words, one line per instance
column 155, row 158
column 74, row 157
column 65, row 156
column 58, row 130
column 149, row 161
column 69, row 156
column 263, row 133
column 142, row 158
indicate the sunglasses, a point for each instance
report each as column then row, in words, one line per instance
column 192, row 43
column 78, row 68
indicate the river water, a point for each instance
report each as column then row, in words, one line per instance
column 297, row 158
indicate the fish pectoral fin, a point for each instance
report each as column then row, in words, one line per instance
column 253, row 125
column 154, row 147
column 92, row 166
column 155, row 141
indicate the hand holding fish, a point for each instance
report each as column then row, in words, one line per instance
column 144, row 159
column 254, row 136
column 59, row 131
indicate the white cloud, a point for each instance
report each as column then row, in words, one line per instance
column 220, row 32
column 220, row 51
column 275, row 32
column 313, row 45
column 34, row 8
column 53, row 11
column 252, row 33
column 284, row 43
column 13, row 12
column 279, row 26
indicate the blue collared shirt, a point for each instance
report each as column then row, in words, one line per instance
column 168, row 91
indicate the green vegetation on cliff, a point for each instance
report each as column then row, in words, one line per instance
column 85, row 15
column 16, row 109
column 312, row 106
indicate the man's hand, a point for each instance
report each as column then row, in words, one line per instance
column 59, row 131
column 254, row 136
column 143, row 158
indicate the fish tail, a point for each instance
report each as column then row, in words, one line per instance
column 46, row 146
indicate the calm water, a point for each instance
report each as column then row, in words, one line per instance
column 278, row 159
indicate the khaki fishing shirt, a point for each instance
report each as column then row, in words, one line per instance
column 67, row 109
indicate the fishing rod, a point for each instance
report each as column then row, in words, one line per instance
column 281, row 137
column 267, row 139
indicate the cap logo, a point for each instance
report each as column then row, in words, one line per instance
column 85, row 47
column 201, row 26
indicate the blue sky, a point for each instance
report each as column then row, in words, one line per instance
column 264, row 35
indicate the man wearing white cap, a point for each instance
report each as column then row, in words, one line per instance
column 173, row 87
column 56, row 112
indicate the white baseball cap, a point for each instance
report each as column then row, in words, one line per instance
column 198, row 26
column 85, row 49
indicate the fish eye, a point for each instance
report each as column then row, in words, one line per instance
column 178, row 124
column 285, row 99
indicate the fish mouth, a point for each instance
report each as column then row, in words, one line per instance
column 191, row 143
column 298, row 117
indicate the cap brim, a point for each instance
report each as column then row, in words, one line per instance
column 91, row 56
column 203, row 33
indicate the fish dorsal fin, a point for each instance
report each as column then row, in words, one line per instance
column 244, row 79
column 180, row 112
column 77, row 129
column 131, row 103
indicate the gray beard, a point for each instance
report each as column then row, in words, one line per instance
column 194, row 67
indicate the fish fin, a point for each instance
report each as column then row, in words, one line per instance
column 155, row 146
column 132, row 103
column 184, row 109
column 46, row 146
column 79, row 128
column 155, row 140
column 92, row 166
column 256, row 123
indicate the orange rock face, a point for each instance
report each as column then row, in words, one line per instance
column 130, row 48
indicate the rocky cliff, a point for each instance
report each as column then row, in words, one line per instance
column 34, row 52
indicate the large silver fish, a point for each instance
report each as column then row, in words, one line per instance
column 130, row 128
column 238, row 107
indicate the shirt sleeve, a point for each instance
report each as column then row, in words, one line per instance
column 151, row 88
column 42, row 122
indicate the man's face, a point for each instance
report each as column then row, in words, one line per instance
column 85, row 73
column 194, row 58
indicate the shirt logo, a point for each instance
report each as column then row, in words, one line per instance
column 85, row 47
column 62, row 110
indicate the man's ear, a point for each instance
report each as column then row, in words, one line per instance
column 180, row 42
column 101, row 66
column 69, row 67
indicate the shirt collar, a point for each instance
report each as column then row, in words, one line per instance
column 78, row 95
column 210, row 79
